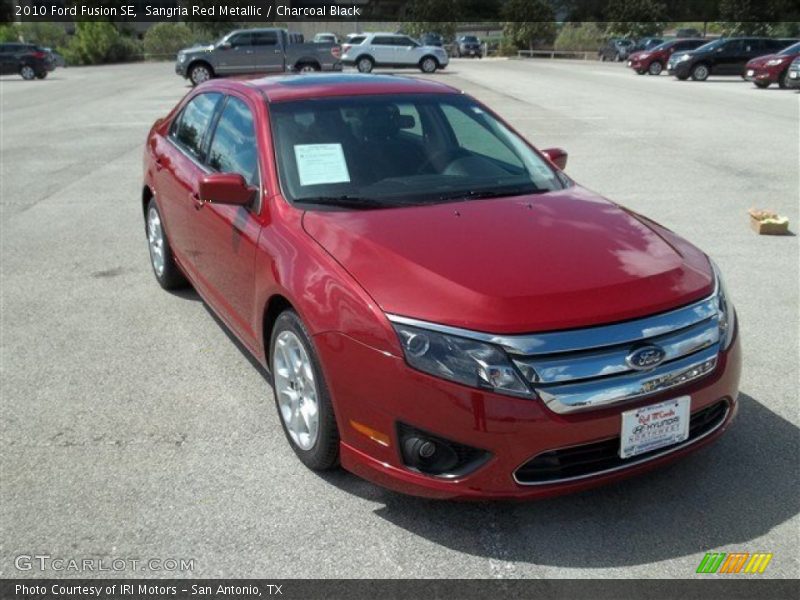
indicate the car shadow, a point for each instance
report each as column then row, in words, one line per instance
column 729, row 493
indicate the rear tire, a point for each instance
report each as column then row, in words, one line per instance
column 365, row 64
column 700, row 72
column 200, row 73
column 428, row 65
column 301, row 395
column 307, row 68
column 27, row 72
column 41, row 75
column 165, row 269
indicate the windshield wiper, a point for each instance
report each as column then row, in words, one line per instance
column 494, row 193
column 345, row 201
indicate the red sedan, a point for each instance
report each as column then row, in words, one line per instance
column 772, row 68
column 442, row 310
column 654, row 60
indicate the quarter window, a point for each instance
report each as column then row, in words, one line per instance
column 265, row 38
column 233, row 148
column 190, row 128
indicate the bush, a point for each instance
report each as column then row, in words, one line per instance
column 163, row 40
column 8, row 33
column 100, row 42
column 50, row 35
column 580, row 37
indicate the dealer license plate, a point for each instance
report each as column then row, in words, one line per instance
column 652, row 427
column 750, row 73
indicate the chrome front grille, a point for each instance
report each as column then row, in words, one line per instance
column 568, row 377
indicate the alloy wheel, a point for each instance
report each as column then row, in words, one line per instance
column 365, row 65
column 428, row 65
column 155, row 239
column 655, row 68
column 296, row 389
column 27, row 72
column 200, row 74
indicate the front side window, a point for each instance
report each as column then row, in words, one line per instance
column 190, row 127
column 233, row 148
column 382, row 151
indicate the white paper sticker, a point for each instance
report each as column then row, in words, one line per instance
column 321, row 163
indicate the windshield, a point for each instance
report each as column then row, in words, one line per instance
column 793, row 49
column 383, row 151
column 711, row 45
column 470, row 38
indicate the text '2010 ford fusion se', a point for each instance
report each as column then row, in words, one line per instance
column 442, row 310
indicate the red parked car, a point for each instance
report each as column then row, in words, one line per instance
column 654, row 60
column 772, row 68
column 442, row 310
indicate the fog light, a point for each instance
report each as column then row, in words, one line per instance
column 434, row 455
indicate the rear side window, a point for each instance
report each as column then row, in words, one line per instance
column 355, row 41
column 189, row 129
column 265, row 38
column 383, row 40
column 233, row 148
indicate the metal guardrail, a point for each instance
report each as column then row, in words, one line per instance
column 557, row 54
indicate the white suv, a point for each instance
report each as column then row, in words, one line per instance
column 369, row 50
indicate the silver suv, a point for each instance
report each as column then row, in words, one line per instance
column 369, row 50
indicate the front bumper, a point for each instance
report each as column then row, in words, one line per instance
column 761, row 74
column 181, row 67
column 379, row 390
column 681, row 69
column 794, row 82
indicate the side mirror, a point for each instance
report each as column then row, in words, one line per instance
column 557, row 156
column 226, row 188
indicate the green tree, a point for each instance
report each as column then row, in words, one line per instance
column 635, row 18
column 97, row 42
column 9, row 33
column 753, row 17
column 425, row 16
column 528, row 23
column 579, row 36
column 51, row 35
column 163, row 40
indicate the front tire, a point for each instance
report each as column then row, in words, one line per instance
column 761, row 84
column 365, row 64
column 165, row 269
column 200, row 73
column 655, row 68
column 301, row 395
column 700, row 72
column 783, row 80
column 428, row 65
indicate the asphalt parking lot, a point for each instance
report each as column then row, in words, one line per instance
column 133, row 426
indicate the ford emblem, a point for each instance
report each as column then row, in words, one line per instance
column 645, row 357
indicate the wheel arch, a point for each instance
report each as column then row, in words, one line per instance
column 275, row 305
column 433, row 56
column 307, row 60
column 147, row 195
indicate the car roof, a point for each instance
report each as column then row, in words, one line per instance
column 301, row 87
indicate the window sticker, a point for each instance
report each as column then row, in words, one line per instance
column 321, row 163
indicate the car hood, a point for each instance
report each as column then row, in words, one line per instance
column 761, row 60
column 513, row 265
column 197, row 49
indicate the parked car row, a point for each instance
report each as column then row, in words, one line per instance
column 762, row 60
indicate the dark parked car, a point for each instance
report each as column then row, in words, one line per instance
column 772, row 68
column 468, row 45
column 688, row 32
column 654, row 61
column 29, row 60
column 647, row 43
column 793, row 76
column 725, row 56
column 247, row 51
column 616, row 49
column 431, row 39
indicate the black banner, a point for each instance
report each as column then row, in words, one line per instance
column 467, row 11
column 355, row 589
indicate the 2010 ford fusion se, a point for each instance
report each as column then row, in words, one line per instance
column 442, row 310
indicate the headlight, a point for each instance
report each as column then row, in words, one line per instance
column 469, row 362
column 727, row 314
column 684, row 57
column 774, row 61
column 181, row 58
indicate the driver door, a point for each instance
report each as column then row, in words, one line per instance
column 239, row 57
column 405, row 52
